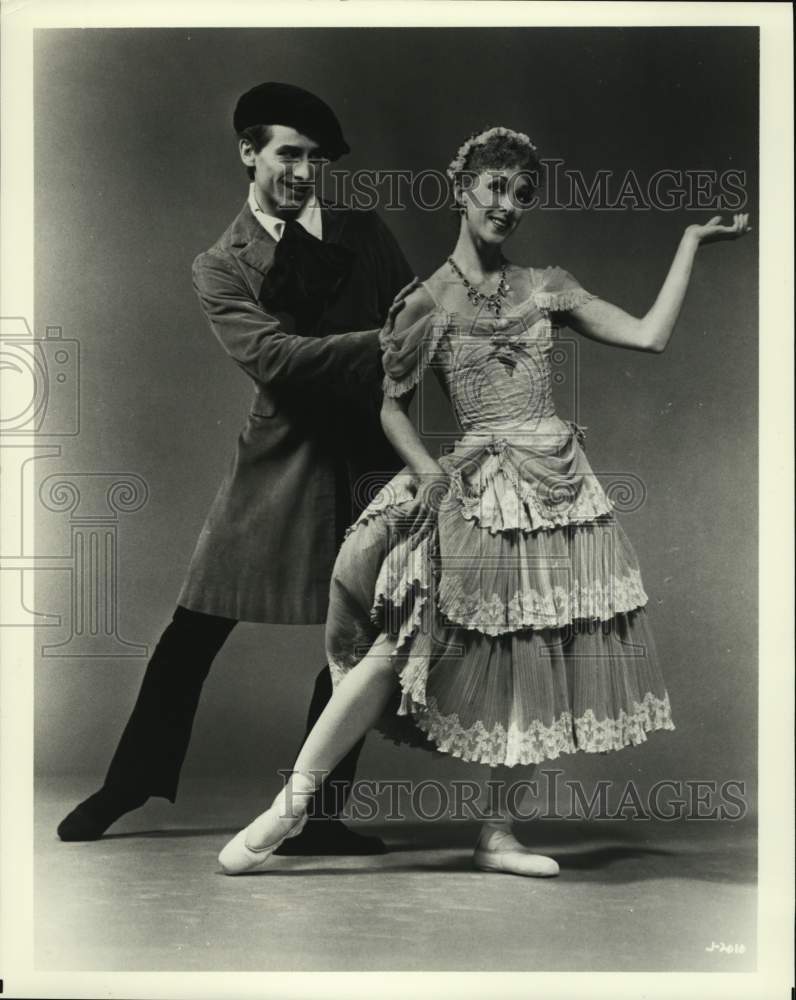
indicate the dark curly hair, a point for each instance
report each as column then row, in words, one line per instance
column 258, row 136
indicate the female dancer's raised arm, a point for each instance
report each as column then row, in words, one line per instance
column 608, row 324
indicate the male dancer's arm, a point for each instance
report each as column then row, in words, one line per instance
column 333, row 365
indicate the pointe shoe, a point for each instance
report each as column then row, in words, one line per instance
column 515, row 863
column 237, row 857
column 502, row 852
column 240, row 856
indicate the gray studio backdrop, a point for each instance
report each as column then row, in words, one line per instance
column 136, row 171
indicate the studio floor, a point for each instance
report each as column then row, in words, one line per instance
column 631, row 896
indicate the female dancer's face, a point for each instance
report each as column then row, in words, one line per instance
column 495, row 201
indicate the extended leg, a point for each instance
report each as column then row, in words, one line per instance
column 333, row 794
column 355, row 706
column 358, row 701
column 153, row 745
column 325, row 833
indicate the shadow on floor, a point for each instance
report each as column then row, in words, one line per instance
column 632, row 895
column 585, row 851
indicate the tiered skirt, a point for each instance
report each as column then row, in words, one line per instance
column 516, row 606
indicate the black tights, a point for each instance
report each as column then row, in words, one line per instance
column 154, row 743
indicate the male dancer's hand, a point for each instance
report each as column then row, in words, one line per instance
column 398, row 304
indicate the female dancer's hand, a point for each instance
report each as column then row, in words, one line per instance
column 429, row 491
column 432, row 488
column 714, row 230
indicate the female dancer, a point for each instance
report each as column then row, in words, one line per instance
column 492, row 590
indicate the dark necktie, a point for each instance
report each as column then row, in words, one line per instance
column 305, row 275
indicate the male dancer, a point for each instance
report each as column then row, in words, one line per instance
column 282, row 289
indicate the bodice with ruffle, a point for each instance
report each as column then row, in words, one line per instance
column 496, row 372
column 517, row 464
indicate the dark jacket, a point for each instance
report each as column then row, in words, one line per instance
column 312, row 450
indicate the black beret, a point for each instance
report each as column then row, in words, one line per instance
column 283, row 104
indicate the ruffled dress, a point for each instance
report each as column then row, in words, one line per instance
column 517, row 603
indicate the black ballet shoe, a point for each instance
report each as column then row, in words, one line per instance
column 90, row 819
column 330, row 836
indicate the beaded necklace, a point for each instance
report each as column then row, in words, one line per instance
column 493, row 302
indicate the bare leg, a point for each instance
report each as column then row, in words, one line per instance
column 357, row 702
column 355, row 706
column 497, row 848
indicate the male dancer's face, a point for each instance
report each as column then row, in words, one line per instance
column 284, row 170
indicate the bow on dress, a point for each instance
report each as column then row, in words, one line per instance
column 305, row 274
column 507, row 348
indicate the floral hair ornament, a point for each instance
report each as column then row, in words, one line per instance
column 456, row 166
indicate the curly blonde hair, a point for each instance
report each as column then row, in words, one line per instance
column 494, row 148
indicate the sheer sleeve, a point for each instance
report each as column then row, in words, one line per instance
column 409, row 347
column 560, row 292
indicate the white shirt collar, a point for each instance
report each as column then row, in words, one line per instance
column 309, row 217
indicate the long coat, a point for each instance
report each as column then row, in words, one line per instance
column 266, row 551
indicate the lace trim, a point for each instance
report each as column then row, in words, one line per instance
column 404, row 571
column 413, row 679
column 538, row 742
column 427, row 349
column 563, row 301
column 412, row 581
column 411, row 624
column 559, row 607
